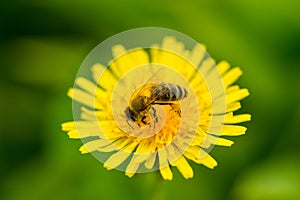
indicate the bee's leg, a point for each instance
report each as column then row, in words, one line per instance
column 163, row 103
column 143, row 120
column 129, row 123
column 154, row 114
column 178, row 112
column 154, row 117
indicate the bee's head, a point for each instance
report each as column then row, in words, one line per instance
column 137, row 110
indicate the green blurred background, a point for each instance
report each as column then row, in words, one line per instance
column 42, row 45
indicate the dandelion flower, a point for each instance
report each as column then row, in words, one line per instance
column 178, row 132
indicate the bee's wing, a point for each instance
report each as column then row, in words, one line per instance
column 156, row 78
column 157, row 92
column 150, row 90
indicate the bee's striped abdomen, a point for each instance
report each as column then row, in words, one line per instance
column 175, row 92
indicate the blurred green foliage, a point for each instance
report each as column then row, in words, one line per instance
column 42, row 44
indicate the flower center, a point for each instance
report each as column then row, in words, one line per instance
column 171, row 126
column 164, row 124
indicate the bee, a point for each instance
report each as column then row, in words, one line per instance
column 150, row 94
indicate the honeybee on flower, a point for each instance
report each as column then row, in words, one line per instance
column 132, row 123
column 153, row 93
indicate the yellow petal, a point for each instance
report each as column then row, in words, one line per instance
column 118, row 50
column 166, row 173
column 233, row 106
column 233, row 130
column 197, row 83
column 87, row 85
column 170, row 43
column 172, row 153
column 237, row 119
column 83, row 129
column 116, row 159
column 232, row 88
column 73, row 134
column 107, row 81
column 129, row 174
column 109, row 148
column 115, row 134
column 224, row 142
column 176, row 62
column 197, row 55
column 126, row 145
column 83, row 97
column 151, row 160
column 107, row 125
column 184, row 168
column 223, row 66
column 210, row 139
column 193, row 153
column 119, row 157
column 199, row 138
column 206, row 66
column 84, row 133
column 92, row 115
column 134, row 164
column 231, row 76
column 128, row 60
column 67, row 126
column 94, row 145
column 208, row 161
column 87, row 114
column 146, row 146
column 199, row 156
column 236, row 96
column 97, row 70
column 155, row 51
column 132, row 167
column 162, row 157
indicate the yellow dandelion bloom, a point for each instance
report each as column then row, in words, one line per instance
column 157, row 108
